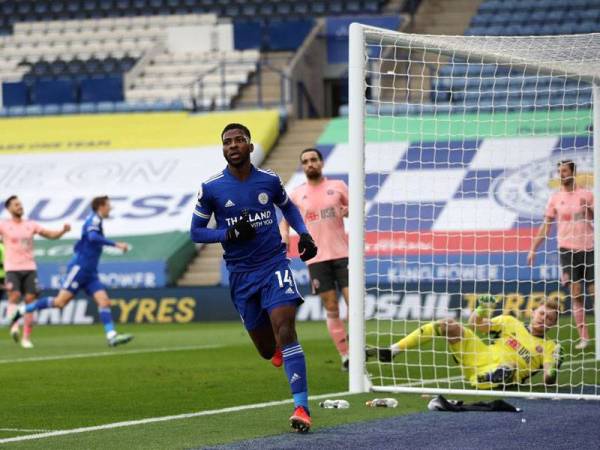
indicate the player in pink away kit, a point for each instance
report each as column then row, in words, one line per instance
column 323, row 204
column 21, row 276
column 573, row 209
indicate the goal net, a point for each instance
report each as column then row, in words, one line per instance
column 456, row 143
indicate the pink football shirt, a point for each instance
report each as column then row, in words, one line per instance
column 18, row 244
column 574, row 221
column 321, row 208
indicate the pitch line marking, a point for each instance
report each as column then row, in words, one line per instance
column 108, row 353
column 24, row 430
column 130, row 423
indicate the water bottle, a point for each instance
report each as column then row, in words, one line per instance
column 382, row 403
column 334, row 404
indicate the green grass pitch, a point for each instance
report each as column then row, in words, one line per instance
column 71, row 379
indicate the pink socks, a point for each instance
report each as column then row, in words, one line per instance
column 337, row 331
column 579, row 313
column 27, row 325
column 9, row 312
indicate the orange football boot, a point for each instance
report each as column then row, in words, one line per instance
column 300, row 420
column 277, row 359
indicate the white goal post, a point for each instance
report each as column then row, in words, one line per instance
column 435, row 98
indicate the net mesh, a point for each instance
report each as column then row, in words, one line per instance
column 463, row 138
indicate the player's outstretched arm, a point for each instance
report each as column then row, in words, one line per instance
column 242, row 230
column 199, row 231
column 95, row 236
column 201, row 234
column 55, row 234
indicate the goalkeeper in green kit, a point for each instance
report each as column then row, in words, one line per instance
column 517, row 352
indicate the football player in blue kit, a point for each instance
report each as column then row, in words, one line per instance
column 243, row 198
column 82, row 273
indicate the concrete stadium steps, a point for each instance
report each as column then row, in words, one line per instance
column 204, row 270
column 270, row 80
column 284, row 159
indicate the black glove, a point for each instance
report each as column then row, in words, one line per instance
column 306, row 247
column 242, row 230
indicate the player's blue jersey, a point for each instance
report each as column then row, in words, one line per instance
column 228, row 198
column 88, row 250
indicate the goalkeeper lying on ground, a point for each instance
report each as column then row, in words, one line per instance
column 517, row 352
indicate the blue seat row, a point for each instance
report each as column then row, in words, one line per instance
column 513, row 83
column 378, row 109
column 12, row 11
column 90, row 108
column 538, row 17
column 78, row 68
column 501, row 96
column 535, row 29
column 499, row 6
column 46, row 91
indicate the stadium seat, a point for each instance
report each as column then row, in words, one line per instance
column 500, row 19
column 87, row 107
column 479, row 20
column 15, row 94
column 335, row 7
column 537, row 17
column 15, row 111
column 588, row 26
column 491, row 6
column 46, row 91
column 105, row 107
column 51, row 109
column 102, row 89
column 556, row 16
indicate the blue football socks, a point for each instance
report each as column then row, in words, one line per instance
column 42, row 303
column 107, row 321
column 295, row 369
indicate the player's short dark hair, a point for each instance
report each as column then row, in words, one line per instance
column 97, row 202
column 567, row 162
column 236, row 126
column 316, row 150
column 9, row 200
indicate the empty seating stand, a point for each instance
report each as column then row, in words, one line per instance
column 84, row 50
column 85, row 62
column 535, row 17
column 15, row 11
column 496, row 87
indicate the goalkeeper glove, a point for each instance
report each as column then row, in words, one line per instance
column 558, row 360
column 242, row 230
column 306, row 247
column 486, row 305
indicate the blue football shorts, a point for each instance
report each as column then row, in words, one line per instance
column 255, row 294
column 77, row 279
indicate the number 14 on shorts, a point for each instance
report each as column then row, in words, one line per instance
column 284, row 279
